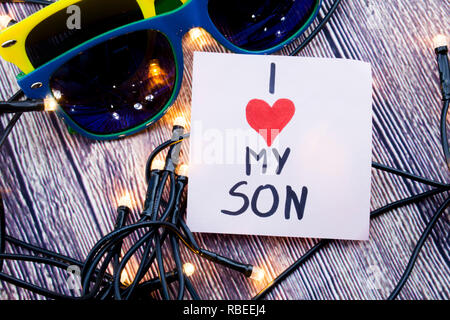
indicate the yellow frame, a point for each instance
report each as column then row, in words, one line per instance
column 17, row 54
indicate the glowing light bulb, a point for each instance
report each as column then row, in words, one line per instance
column 126, row 201
column 198, row 36
column 158, row 164
column 440, row 40
column 257, row 273
column 50, row 104
column 183, row 170
column 188, row 269
column 124, row 279
column 180, row 122
column 4, row 21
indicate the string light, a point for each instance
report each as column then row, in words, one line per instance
column 157, row 164
column 50, row 104
column 124, row 279
column 198, row 36
column 4, row 21
column 440, row 48
column 188, row 269
column 183, row 170
column 440, row 40
column 257, row 274
column 125, row 200
column 179, row 122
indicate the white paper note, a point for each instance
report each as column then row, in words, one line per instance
column 280, row 146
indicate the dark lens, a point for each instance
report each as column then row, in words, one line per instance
column 63, row 31
column 257, row 25
column 118, row 84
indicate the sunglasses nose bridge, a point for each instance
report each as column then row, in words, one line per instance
column 191, row 16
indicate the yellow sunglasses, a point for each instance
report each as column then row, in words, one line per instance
column 66, row 24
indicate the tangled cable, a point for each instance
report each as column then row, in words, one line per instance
column 159, row 220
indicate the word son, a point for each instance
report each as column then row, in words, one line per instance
column 291, row 197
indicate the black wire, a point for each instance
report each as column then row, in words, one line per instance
column 407, row 175
column 142, row 241
column 157, row 253
column 191, row 289
column 9, row 128
column 157, row 150
column 174, row 241
column 45, row 252
column 122, row 215
column 123, row 263
column 293, row 267
column 417, row 249
column 21, row 106
column 16, row 97
column 160, row 263
column 157, row 238
column 28, row 286
column 2, row 230
column 444, row 137
column 148, row 257
column 104, row 244
column 145, row 264
column 322, row 243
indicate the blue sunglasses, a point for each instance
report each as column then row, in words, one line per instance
column 122, row 81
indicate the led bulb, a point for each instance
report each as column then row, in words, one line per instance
column 440, row 41
column 124, row 279
column 188, row 269
column 183, row 170
column 257, row 273
column 197, row 35
column 180, row 122
column 126, row 201
column 158, row 164
column 4, row 21
column 50, row 104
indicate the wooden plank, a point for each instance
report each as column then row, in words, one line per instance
column 61, row 190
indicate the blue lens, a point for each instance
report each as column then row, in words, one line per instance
column 256, row 25
column 117, row 85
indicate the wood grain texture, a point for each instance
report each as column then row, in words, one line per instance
column 61, row 191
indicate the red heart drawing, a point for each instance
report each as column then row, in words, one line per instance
column 269, row 121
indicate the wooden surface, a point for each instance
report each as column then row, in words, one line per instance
column 61, row 191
